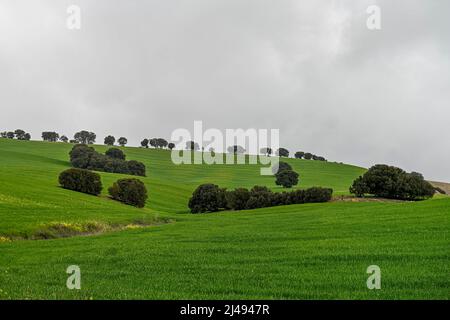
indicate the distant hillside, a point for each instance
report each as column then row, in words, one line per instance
column 443, row 185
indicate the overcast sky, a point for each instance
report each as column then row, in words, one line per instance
column 310, row 68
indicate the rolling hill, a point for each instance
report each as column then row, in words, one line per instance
column 295, row 252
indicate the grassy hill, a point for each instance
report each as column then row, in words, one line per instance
column 30, row 189
column 298, row 251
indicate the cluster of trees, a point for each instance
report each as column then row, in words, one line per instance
column 110, row 140
column 87, row 137
column 84, row 137
column 18, row 134
column 157, row 143
column 392, row 183
column 283, row 152
column 130, row 191
column 212, row 198
column 85, row 157
column 51, row 136
column 285, row 176
column 308, row 156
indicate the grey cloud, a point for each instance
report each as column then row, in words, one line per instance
column 311, row 68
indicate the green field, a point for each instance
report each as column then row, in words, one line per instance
column 295, row 252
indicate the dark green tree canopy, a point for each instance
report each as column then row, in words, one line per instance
column 283, row 152
column 207, row 198
column 161, row 143
column 237, row 199
column 392, row 183
column 129, row 191
column 85, row 157
column 115, row 153
column 280, row 167
column 299, row 154
column 158, row 143
column 85, row 137
column 50, row 136
column 109, row 140
column 286, row 178
column 122, row 141
column 81, row 180
column 144, row 143
column 21, row 135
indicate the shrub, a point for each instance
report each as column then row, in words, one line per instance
column 207, row 198
column 383, row 181
column 260, row 197
column 297, row 196
column 80, row 155
column 136, row 168
column 115, row 166
column 281, row 166
column 393, row 183
column 50, row 136
column 286, row 178
column 414, row 187
column 283, row 152
column 85, row 137
column 237, row 199
column 308, row 156
column 115, row 153
column 280, row 199
column 299, row 154
column 211, row 198
column 81, row 180
column 97, row 161
column 109, row 140
column 144, row 143
column 122, row 141
column 85, row 157
column 130, row 191
column 317, row 194
column 359, row 188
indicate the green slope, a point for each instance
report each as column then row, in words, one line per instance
column 296, row 252
column 29, row 192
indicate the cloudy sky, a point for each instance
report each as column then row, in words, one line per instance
column 310, row 68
